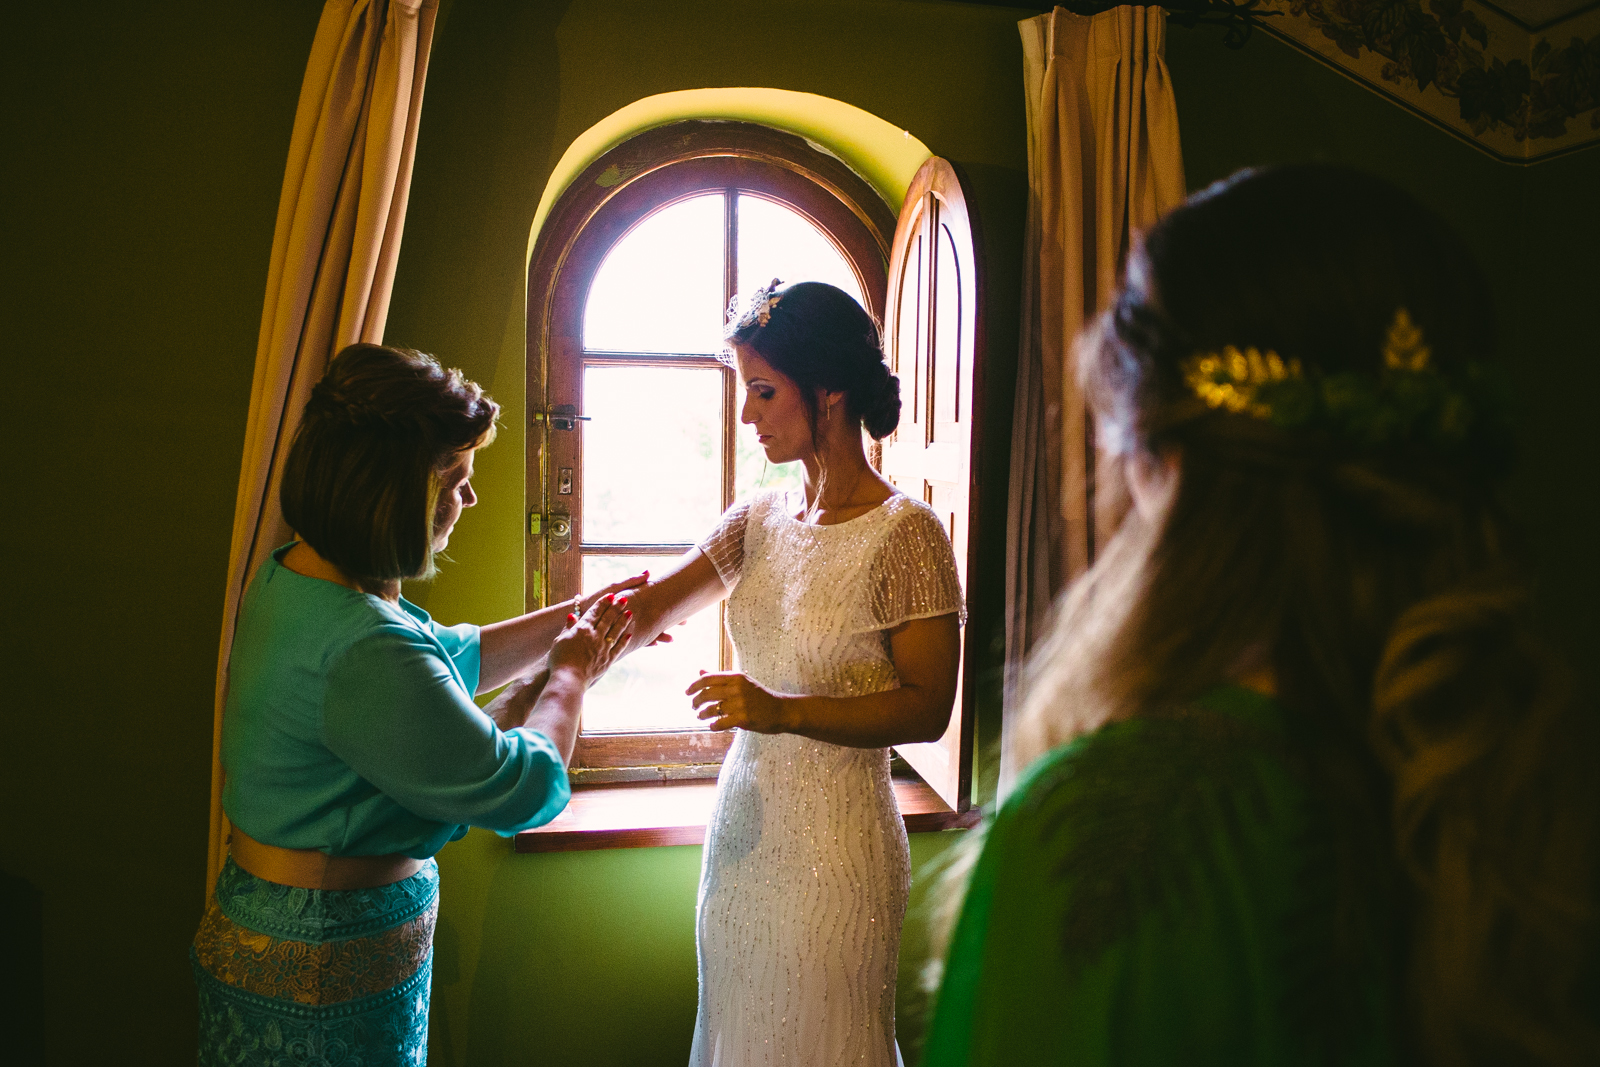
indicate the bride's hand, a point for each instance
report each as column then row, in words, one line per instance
column 730, row 699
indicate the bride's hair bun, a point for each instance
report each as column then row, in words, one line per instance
column 879, row 401
column 817, row 336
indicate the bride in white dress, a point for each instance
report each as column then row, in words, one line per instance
column 844, row 608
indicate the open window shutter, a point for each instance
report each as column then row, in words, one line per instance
column 934, row 339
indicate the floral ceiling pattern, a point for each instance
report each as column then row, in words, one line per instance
column 1521, row 95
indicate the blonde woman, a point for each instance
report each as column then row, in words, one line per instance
column 1303, row 789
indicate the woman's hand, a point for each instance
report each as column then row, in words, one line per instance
column 589, row 645
column 627, row 585
column 730, row 699
column 589, row 600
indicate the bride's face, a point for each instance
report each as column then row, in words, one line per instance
column 773, row 405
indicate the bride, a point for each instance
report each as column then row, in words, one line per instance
column 844, row 607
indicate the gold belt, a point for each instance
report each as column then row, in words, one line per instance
column 308, row 868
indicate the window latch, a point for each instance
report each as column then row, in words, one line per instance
column 561, row 417
column 555, row 528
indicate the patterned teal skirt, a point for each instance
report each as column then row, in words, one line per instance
column 315, row 977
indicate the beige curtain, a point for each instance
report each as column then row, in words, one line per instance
column 1103, row 163
column 333, row 259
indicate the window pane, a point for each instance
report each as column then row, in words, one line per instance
column 660, row 287
column 644, row 691
column 775, row 242
column 652, row 454
column 910, row 334
column 751, row 471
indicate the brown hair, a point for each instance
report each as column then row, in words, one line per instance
column 361, row 484
column 1381, row 583
column 818, row 337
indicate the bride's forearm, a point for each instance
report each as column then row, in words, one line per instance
column 689, row 586
column 515, row 647
column 894, row 717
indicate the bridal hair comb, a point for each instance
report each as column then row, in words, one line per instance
column 1403, row 348
column 1407, row 400
column 1233, row 379
column 758, row 310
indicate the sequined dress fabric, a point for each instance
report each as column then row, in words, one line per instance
column 805, row 871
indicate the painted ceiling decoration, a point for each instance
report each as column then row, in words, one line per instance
column 1518, row 79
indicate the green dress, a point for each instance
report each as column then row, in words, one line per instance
column 1162, row 891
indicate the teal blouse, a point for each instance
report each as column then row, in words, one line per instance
column 1160, row 892
column 350, row 727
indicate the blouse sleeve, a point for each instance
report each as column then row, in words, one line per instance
column 463, row 644
column 394, row 712
column 913, row 575
column 724, row 546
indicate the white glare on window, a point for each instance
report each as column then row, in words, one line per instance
column 660, row 287
column 652, row 454
column 775, row 242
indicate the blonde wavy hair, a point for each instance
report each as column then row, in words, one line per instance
column 1380, row 586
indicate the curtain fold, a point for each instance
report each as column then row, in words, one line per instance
column 334, row 250
column 1104, row 162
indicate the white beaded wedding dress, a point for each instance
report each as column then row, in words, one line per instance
column 805, row 872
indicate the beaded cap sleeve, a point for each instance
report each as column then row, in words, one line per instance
column 913, row 572
column 724, row 546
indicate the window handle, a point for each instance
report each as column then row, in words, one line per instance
column 555, row 527
column 562, row 417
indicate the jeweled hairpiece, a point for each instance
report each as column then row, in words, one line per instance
column 757, row 310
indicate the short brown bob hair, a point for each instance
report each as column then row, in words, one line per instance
column 362, row 482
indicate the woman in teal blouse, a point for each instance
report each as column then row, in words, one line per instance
column 352, row 746
column 1303, row 789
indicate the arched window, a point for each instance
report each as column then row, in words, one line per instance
column 634, row 449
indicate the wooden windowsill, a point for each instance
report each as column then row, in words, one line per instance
column 647, row 814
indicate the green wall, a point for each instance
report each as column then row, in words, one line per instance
column 144, row 156
column 143, row 153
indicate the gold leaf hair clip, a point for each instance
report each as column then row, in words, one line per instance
column 1230, row 379
column 1406, row 399
column 1402, row 347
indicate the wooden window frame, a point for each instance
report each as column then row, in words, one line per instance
column 613, row 194
column 930, row 457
